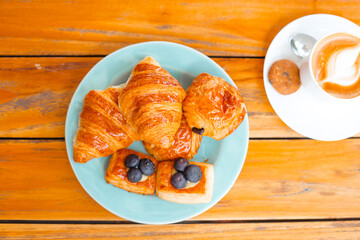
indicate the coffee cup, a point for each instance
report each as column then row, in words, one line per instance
column 332, row 70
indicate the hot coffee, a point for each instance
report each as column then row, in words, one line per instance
column 335, row 63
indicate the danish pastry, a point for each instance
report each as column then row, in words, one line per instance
column 201, row 192
column 152, row 103
column 102, row 128
column 185, row 145
column 213, row 107
column 117, row 173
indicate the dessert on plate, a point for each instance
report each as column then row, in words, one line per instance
column 185, row 144
column 154, row 108
column 132, row 171
column 213, row 107
column 284, row 76
column 102, row 127
column 181, row 181
column 152, row 103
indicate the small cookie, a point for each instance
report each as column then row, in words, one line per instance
column 284, row 76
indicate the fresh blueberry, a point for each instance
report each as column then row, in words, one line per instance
column 193, row 173
column 199, row 131
column 146, row 166
column 180, row 164
column 132, row 161
column 134, row 174
column 178, row 180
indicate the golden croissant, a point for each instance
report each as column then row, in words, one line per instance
column 185, row 145
column 213, row 107
column 102, row 128
column 152, row 103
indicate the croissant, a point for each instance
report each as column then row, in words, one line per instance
column 185, row 145
column 213, row 107
column 102, row 128
column 152, row 103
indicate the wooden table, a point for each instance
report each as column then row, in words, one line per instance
column 291, row 187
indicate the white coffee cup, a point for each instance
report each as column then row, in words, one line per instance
column 309, row 81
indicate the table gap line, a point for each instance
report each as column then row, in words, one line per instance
column 63, row 138
column 32, row 139
column 102, row 55
column 184, row 222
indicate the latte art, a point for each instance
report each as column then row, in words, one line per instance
column 343, row 68
column 336, row 65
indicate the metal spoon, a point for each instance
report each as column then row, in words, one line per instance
column 301, row 44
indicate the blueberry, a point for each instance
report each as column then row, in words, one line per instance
column 146, row 166
column 198, row 131
column 178, row 180
column 193, row 173
column 134, row 174
column 132, row 161
column 180, row 164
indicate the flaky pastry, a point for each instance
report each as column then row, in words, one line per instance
column 185, row 145
column 200, row 193
column 152, row 103
column 116, row 173
column 213, row 107
column 102, row 128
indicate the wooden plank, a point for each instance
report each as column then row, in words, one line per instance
column 238, row 231
column 87, row 27
column 281, row 179
column 35, row 93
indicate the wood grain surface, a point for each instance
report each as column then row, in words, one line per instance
column 285, row 182
column 281, row 179
column 343, row 230
column 35, row 94
column 88, row 27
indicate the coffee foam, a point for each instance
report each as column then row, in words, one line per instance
column 342, row 68
column 336, row 65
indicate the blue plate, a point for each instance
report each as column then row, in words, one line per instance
column 228, row 155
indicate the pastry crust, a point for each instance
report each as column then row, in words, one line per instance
column 116, row 173
column 215, row 105
column 185, row 145
column 102, row 128
column 152, row 103
column 200, row 193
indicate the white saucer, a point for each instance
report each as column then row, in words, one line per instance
column 301, row 111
